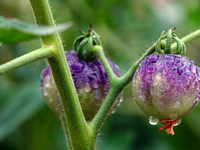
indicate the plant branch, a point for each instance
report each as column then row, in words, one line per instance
column 98, row 50
column 125, row 79
column 66, row 133
column 80, row 134
column 40, row 53
column 105, row 109
column 186, row 39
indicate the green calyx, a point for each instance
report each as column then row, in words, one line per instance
column 164, row 43
column 84, row 44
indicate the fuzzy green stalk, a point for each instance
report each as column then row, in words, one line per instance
column 80, row 134
column 40, row 53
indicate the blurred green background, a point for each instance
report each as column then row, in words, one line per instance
column 127, row 28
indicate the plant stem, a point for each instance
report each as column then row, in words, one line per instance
column 66, row 133
column 98, row 50
column 105, row 109
column 126, row 78
column 191, row 36
column 40, row 53
column 188, row 38
column 81, row 135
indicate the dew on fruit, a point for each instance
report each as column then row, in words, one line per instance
column 170, row 63
column 77, row 67
column 44, row 91
column 87, row 87
column 179, row 70
column 133, row 96
column 150, row 79
column 178, row 122
column 177, row 104
column 177, row 60
column 167, row 56
column 152, row 58
column 172, row 78
column 153, row 120
column 97, row 94
column 193, row 69
column 113, row 111
column 47, row 81
column 151, row 69
column 95, row 84
column 165, row 71
column 187, row 69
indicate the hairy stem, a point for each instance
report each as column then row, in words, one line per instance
column 66, row 133
column 186, row 39
column 98, row 50
column 125, row 79
column 80, row 134
column 40, row 53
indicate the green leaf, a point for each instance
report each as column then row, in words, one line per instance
column 13, row 30
column 19, row 107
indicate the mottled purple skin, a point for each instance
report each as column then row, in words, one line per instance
column 90, row 80
column 166, row 86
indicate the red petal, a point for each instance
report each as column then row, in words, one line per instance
column 168, row 126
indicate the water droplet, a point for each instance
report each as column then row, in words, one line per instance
column 160, row 64
column 153, row 120
column 151, row 68
column 152, row 58
column 165, row 71
column 193, row 69
column 44, row 91
column 47, row 81
column 143, row 85
column 77, row 67
column 178, row 122
column 150, row 79
column 191, row 76
column 167, row 56
column 177, row 60
column 133, row 96
column 170, row 63
column 113, row 111
column 97, row 94
column 172, row 78
column 87, row 87
column 187, row 69
column 177, row 104
column 179, row 70
column 167, row 86
column 95, row 84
